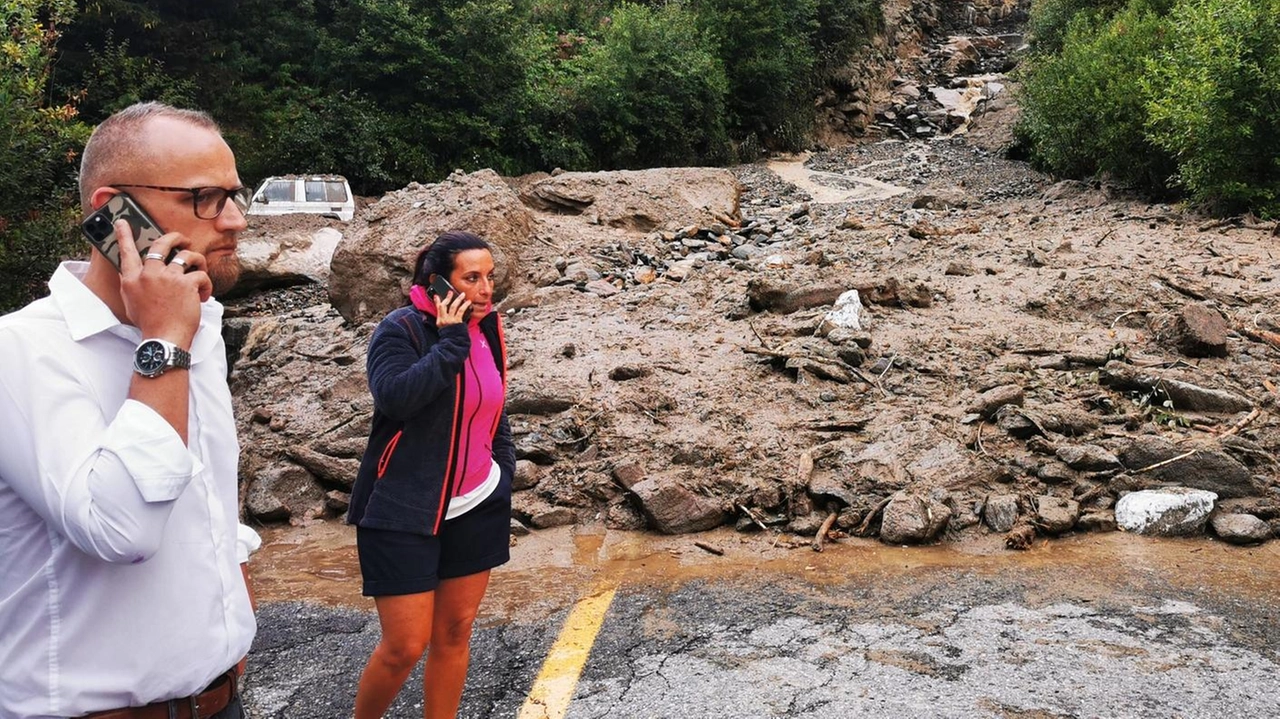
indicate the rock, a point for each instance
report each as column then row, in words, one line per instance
column 911, row 519
column 284, row 492
column 527, row 475
column 622, row 373
column 602, row 288
column 518, row 528
column 1168, row 512
column 337, row 502
column 1055, row 473
column 1201, row 332
column 555, row 517
column 1208, row 469
column 1088, row 458
column 373, row 264
column 846, row 315
column 1102, row 520
column 641, row 200
column 1240, row 528
column 784, row 298
column 628, row 474
column 993, row 399
column 1000, row 512
column 334, row 471
column 960, row 268
column 1057, row 515
column 538, row 400
column 674, row 509
column 273, row 259
column 1186, row 397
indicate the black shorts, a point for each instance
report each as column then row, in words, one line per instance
column 394, row 562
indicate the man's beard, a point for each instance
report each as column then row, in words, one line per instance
column 224, row 272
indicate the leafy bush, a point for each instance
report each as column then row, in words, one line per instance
column 1216, row 102
column 650, row 91
column 38, row 171
column 1050, row 19
column 1085, row 110
column 764, row 46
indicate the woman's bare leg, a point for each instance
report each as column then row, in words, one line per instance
column 457, row 602
column 406, row 631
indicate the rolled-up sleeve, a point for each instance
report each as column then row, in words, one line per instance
column 151, row 451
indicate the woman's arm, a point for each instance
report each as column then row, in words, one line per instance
column 404, row 383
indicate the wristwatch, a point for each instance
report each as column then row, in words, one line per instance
column 154, row 356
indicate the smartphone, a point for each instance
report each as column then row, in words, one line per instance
column 99, row 227
column 441, row 287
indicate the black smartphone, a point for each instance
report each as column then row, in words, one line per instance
column 99, row 227
column 441, row 287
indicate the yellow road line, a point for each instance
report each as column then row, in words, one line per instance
column 552, row 690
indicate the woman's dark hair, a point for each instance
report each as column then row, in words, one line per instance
column 437, row 257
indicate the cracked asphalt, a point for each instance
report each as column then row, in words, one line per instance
column 1094, row 626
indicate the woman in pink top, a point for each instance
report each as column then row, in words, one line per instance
column 432, row 501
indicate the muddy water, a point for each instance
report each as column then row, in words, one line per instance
column 552, row 569
column 830, row 187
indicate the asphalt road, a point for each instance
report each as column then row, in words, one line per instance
column 1094, row 626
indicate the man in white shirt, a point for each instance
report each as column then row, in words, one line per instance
column 123, row 593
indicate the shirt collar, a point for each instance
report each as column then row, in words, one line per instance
column 87, row 315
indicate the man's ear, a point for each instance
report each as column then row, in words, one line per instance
column 101, row 195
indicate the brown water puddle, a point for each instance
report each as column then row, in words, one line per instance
column 551, row 569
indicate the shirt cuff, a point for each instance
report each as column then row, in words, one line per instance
column 151, row 451
column 247, row 542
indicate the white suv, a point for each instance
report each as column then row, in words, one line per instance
column 328, row 195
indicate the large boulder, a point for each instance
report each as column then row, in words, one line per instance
column 672, row 508
column 373, row 265
column 640, row 200
column 1168, row 512
column 1209, row 469
column 286, row 250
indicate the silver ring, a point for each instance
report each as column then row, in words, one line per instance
column 154, row 256
column 178, row 261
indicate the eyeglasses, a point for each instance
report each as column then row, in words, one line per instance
column 208, row 202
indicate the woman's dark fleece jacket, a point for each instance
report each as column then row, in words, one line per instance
column 414, row 374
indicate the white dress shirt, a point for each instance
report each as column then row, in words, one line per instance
column 120, row 547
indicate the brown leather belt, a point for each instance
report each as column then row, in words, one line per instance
column 201, row 706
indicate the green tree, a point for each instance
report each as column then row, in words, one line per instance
column 1216, row 102
column 1084, row 109
column 651, row 92
column 40, row 142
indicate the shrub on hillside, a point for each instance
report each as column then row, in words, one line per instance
column 41, row 144
column 650, row 91
column 1216, row 102
column 769, row 62
column 1085, row 110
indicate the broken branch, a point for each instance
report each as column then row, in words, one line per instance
column 822, row 531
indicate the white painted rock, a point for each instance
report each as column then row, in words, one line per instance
column 1168, row 512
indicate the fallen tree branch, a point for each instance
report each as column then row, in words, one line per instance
column 822, row 531
column 708, row 548
column 1166, row 462
column 1270, row 338
column 1241, row 424
column 752, row 516
column 865, row 527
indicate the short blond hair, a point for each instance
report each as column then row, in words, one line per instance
column 117, row 142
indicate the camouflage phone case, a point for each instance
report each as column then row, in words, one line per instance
column 99, row 227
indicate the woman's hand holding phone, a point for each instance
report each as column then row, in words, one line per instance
column 452, row 307
column 162, row 299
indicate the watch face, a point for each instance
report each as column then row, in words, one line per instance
column 150, row 357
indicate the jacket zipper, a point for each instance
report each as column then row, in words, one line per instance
column 385, row 459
